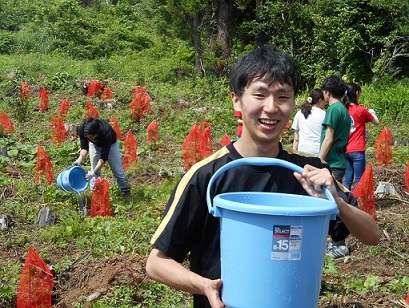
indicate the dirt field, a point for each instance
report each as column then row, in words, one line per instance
column 90, row 278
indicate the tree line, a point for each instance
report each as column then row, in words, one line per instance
column 362, row 40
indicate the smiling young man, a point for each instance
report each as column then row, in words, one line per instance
column 263, row 85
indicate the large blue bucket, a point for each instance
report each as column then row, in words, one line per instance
column 272, row 245
column 72, row 178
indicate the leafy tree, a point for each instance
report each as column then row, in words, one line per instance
column 363, row 40
column 208, row 25
column 356, row 33
column 344, row 37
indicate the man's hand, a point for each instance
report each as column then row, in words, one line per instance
column 213, row 293
column 312, row 179
column 90, row 175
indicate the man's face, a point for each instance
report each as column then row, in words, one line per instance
column 266, row 110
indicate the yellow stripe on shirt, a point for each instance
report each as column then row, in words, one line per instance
column 181, row 187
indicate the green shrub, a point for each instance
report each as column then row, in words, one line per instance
column 7, row 43
column 29, row 40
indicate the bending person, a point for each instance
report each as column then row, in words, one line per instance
column 99, row 139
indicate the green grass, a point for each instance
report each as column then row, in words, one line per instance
column 179, row 102
column 175, row 106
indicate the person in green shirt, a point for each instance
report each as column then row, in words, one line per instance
column 334, row 139
column 335, row 127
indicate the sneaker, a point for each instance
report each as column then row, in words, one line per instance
column 126, row 195
column 329, row 247
column 337, row 251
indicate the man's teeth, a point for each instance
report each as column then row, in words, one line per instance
column 269, row 122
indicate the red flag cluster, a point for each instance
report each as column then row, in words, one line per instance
column 107, row 93
column 36, row 283
column 225, row 140
column 58, row 130
column 44, row 99
column 91, row 111
column 43, row 166
column 63, row 109
column 289, row 123
column 129, row 158
column 94, row 88
column 197, row 145
column 140, row 104
column 383, row 147
column 114, row 124
column 25, row 91
column 100, row 203
column 6, row 123
column 153, row 131
column 364, row 192
column 206, row 147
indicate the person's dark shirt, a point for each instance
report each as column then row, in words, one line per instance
column 187, row 228
column 106, row 137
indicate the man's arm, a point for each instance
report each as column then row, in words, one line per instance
column 162, row 268
column 359, row 223
column 327, row 142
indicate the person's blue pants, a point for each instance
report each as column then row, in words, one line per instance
column 356, row 163
column 114, row 161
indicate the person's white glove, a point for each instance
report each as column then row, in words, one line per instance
column 78, row 162
column 372, row 111
column 90, row 175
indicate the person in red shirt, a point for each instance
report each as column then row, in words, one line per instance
column 356, row 146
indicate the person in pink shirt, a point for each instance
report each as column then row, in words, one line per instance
column 356, row 146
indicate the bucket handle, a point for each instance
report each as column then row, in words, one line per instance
column 256, row 161
column 69, row 167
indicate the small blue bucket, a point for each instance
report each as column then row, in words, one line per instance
column 72, row 178
column 272, row 245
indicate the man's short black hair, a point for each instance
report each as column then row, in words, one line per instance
column 268, row 63
column 335, row 85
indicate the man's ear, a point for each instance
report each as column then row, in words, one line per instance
column 236, row 102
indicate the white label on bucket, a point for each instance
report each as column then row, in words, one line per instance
column 287, row 242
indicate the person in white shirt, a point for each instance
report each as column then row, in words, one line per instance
column 307, row 124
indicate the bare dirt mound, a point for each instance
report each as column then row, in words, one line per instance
column 87, row 281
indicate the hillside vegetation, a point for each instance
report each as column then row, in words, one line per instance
column 62, row 45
